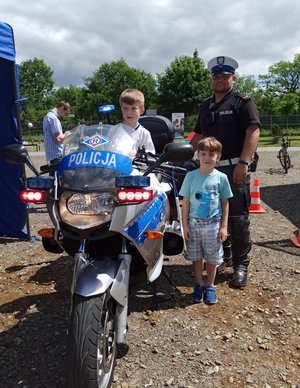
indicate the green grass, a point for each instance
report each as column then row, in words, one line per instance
column 268, row 141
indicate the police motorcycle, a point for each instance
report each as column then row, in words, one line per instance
column 107, row 203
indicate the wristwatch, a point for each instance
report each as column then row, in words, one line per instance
column 243, row 162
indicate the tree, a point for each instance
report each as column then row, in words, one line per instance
column 36, row 84
column 183, row 85
column 265, row 101
column 287, row 104
column 72, row 95
column 283, row 77
column 263, row 98
column 245, row 84
column 108, row 82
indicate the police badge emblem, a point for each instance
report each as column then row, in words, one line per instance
column 220, row 61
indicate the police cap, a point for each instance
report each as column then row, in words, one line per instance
column 225, row 65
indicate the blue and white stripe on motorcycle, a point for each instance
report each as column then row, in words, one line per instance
column 93, row 158
column 149, row 220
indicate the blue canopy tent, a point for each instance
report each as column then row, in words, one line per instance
column 13, row 213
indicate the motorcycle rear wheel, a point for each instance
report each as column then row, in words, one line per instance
column 91, row 347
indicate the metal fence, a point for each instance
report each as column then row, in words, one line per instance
column 269, row 123
column 285, row 123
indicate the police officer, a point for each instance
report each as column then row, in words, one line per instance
column 233, row 119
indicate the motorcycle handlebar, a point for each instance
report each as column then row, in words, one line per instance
column 46, row 168
column 173, row 169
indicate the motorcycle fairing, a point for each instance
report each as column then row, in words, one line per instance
column 95, row 141
column 96, row 158
column 150, row 219
column 154, row 270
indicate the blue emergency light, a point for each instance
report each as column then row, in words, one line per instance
column 106, row 108
column 40, row 182
column 132, row 181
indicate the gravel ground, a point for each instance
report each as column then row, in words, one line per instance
column 250, row 338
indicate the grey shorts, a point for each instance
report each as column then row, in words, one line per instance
column 204, row 243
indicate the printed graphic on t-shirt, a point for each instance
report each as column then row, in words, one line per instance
column 208, row 204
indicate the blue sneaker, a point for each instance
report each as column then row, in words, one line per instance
column 211, row 295
column 199, row 292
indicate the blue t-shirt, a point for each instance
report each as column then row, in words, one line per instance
column 205, row 192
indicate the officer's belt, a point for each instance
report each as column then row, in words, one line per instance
column 228, row 162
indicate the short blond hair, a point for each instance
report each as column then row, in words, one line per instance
column 132, row 96
column 209, row 144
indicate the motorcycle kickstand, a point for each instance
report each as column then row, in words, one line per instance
column 153, row 285
column 169, row 279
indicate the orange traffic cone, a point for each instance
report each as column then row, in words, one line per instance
column 296, row 240
column 255, row 198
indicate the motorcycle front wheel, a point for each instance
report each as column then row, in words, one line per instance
column 91, row 346
column 284, row 159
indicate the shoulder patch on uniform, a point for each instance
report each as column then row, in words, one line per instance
column 207, row 101
column 243, row 96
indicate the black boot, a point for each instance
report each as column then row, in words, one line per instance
column 227, row 256
column 226, row 263
column 239, row 277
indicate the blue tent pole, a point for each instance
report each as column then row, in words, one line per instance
column 16, row 84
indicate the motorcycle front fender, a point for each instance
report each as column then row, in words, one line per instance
column 94, row 277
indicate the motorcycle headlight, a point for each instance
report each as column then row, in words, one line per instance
column 86, row 210
column 91, row 204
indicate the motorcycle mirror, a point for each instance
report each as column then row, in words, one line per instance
column 14, row 153
column 173, row 152
column 178, row 152
column 17, row 154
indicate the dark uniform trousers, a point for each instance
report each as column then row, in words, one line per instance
column 238, row 221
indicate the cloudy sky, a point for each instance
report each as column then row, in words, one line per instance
column 75, row 37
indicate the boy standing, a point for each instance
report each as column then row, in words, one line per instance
column 205, row 207
column 132, row 106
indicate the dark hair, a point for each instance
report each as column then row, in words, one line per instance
column 63, row 104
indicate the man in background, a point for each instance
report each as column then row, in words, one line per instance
column 53, row 133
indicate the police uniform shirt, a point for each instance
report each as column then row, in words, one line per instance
column 226, row 123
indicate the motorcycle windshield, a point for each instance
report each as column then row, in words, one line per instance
column 94, row 155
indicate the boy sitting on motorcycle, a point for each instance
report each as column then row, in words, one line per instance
column 132, row 106
column 132, row 103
